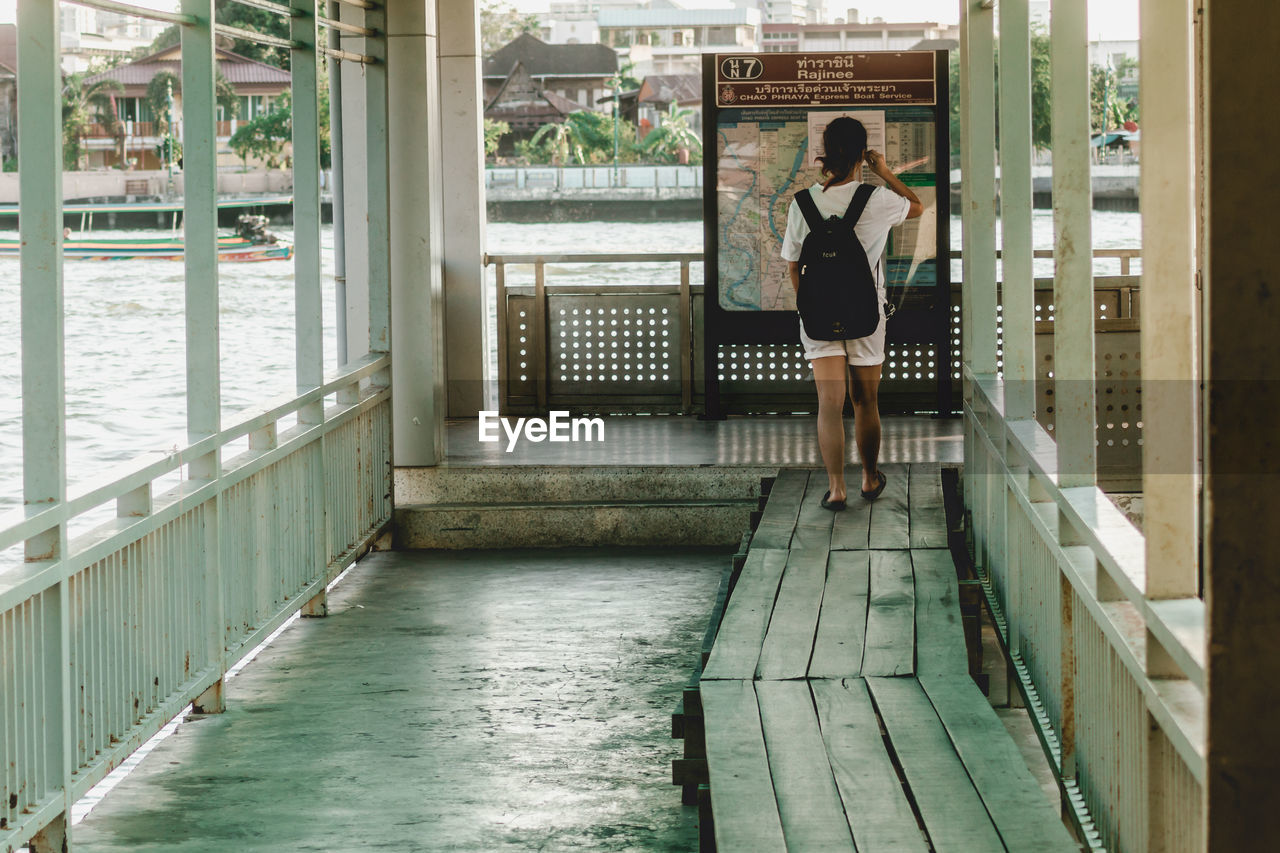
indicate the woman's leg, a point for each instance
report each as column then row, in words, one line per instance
column 865, row 392
column 831, row 374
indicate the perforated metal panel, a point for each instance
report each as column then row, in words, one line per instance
column 521, row 369
column 619, row 346
column 1119, row 400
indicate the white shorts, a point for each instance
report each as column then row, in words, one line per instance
column 859, row 352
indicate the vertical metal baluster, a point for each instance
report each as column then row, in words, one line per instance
column 686, row 340
column 500, row 294
column 540, row 347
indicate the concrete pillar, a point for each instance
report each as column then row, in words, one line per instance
column 413, row 155
column 467, row 341
column 1242, row 444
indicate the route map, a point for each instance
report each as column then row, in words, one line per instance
column 764, row 157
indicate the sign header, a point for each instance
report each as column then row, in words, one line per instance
column 825, row 79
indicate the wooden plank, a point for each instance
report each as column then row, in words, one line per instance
column 890, row 520
column 813, row 524
column 877, row 808
column 940, row 644
column 842, row 622
column 742, row 798
column 890, row 638
column 926, row 509
column 953, row 813
column 808, row 803
column 1025, row 818
column 779, row 519
column 788, row 645
column 746, row 617
column 851, row 528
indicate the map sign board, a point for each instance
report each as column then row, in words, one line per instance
column 763, row 120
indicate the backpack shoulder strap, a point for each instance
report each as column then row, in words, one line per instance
column 804, row 199
column 858, row 203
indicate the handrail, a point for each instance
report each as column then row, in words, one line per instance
column 127, row 476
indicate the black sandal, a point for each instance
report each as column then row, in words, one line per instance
column 875, row 493
column 834, row 506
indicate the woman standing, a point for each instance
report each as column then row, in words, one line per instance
column 844, row 145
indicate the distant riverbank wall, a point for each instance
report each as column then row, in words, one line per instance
column 1115, row 187
column 637, row 193
column 627, row 193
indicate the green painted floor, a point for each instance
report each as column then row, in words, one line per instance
column 472, row 701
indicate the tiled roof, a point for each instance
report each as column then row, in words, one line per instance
column 665, row 88
column 541, row 59
column 238, row 70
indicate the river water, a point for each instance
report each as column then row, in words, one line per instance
column 124, row 330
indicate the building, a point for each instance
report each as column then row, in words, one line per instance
column 579, row 74
column 850, row 34
column 672, row 41
column 256, row 84
column 791, row 11
column 8, row 92
column 660, row 91
column 89, row 36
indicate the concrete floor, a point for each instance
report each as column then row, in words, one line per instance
column 473, row 701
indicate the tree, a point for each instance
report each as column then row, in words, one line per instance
column 82, row 105
column 560, row 139
column 673, row 134
column 234, row 14
column 166, row 82
column 1041, row 95
column 265, row 136
column 493, row 133
column 1107, row 109
column 501, row 23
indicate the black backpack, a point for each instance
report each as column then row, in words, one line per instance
column 837, row 299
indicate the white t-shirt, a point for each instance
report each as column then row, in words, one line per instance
column 884, row 210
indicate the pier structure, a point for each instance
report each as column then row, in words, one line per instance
column 1142, row 654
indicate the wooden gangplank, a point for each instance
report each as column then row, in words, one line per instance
column 838, row 709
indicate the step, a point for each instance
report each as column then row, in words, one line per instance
column 579, row 523
column 518, row 484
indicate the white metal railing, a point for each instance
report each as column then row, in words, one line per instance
column 1104, row 626
column 561, row 178
column 107, row 636
column 155, row 606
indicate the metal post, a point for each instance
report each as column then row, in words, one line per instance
column 1242, row 453
column 377, row 187
column 415, row 232
column 966, row 307
column 44, row 453
column 458, row 173
column 309, row 332
column 979, row 209
column 200, row 241
column 1016, row 274
column 1168, row 307
column 1073, row 366
column 336, row 169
